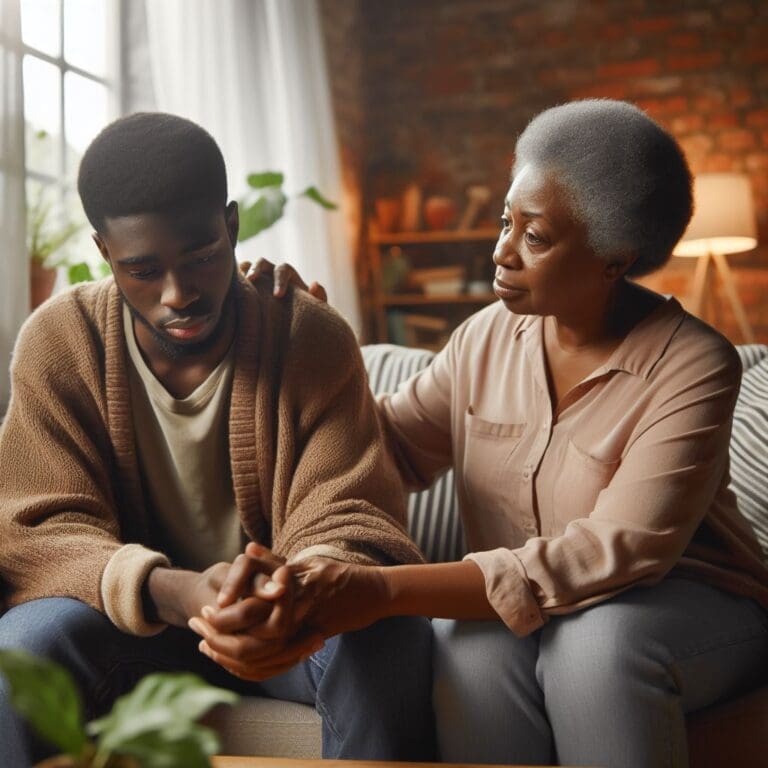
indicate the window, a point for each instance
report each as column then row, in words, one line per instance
column 70, row 70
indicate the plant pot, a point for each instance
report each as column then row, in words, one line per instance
column 65, row 761
column 41, row 281
column 388, row 213
column 439, row 212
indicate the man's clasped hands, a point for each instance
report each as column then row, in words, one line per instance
column 260, row 615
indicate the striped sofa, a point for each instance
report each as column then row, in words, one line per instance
column 730, row 734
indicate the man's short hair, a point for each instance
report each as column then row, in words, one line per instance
column 150, row 162
column 626, row 177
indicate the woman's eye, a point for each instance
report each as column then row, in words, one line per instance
column 505, row 223
column 533, row 238
column 207, row 259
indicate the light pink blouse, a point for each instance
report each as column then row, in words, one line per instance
column 624, row 482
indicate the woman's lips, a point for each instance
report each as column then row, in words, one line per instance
column 504, row 291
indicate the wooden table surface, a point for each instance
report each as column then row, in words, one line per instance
column 281, row 762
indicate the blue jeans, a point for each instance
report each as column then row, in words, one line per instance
column 609, row 685
column 372, row 688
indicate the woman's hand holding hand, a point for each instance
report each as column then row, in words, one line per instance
column 282, row 275
column 312, row 599
column 254, row 633
column 335, row 596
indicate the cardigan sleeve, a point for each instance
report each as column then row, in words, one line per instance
column 344, row 494
column 58, row 519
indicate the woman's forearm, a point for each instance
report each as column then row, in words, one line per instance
column 438, row 590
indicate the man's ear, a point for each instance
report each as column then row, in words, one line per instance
column 617, row 267
column 101, row 245
column 233, row 222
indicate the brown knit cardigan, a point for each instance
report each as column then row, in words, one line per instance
column 309, row 466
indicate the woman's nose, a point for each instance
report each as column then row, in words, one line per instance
column 505, row 254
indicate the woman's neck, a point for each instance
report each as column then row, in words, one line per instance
column 607, row 324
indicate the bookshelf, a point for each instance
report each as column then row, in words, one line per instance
column 424, row 284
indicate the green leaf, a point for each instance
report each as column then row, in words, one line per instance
column 262, row 214
column 104, row 270
column 79, row 273
column 314, row 194
column 43, row 692
column 161, row 706
column 265, row 179
column 188, row 745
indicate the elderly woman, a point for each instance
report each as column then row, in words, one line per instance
column 612, row 585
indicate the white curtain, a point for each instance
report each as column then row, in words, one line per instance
column 14, row 267
column 253, row 73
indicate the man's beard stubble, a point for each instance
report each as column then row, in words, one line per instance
column 176, row 351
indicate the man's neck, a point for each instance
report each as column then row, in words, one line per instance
column 182, row 375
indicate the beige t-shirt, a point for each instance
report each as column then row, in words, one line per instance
column 183, row 454
column 625, row 480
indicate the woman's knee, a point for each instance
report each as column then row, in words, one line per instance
column 472, row 652
column 601, row 648
column 488, row 705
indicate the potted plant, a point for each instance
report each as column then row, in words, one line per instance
column 44, row 240
column 265, row 205
column 153, row 726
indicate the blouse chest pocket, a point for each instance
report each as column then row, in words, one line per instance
column 581, row 478
column 488, row 447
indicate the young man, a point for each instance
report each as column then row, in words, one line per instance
column 163, row 418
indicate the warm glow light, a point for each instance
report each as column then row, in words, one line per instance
column 724, row 217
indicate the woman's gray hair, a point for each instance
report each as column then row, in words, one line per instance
column 627, row 178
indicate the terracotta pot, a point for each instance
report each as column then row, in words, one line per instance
column 439, row 212
column 41, row 280
column 388, row 213
column 64, row 761
column 60, row 761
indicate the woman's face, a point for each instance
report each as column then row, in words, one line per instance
column 544, row 264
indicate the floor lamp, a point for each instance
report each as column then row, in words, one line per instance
column 723, row 222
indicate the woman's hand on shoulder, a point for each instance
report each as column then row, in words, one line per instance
column 282, row 276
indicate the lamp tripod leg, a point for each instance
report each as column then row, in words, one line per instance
column 733, row 297
column 699, row 284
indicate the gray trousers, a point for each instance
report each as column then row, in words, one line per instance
column 607, row 686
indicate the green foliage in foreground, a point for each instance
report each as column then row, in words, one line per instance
column 153, row 725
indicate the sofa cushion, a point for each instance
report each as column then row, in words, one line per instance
column 749, row 442
column 267, row 727
column 433, row 515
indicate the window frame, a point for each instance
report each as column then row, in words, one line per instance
column 112, row 80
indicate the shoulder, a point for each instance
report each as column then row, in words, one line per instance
column 300, row 334
column 65, row 328
column 314, row 323
column 682, row 358
column 697, row 348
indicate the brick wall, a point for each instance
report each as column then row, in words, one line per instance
column 342, row 30
column 447, row 85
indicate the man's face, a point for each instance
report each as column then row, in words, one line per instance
column 176, row 272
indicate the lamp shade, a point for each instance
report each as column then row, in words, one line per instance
column 724, row 216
